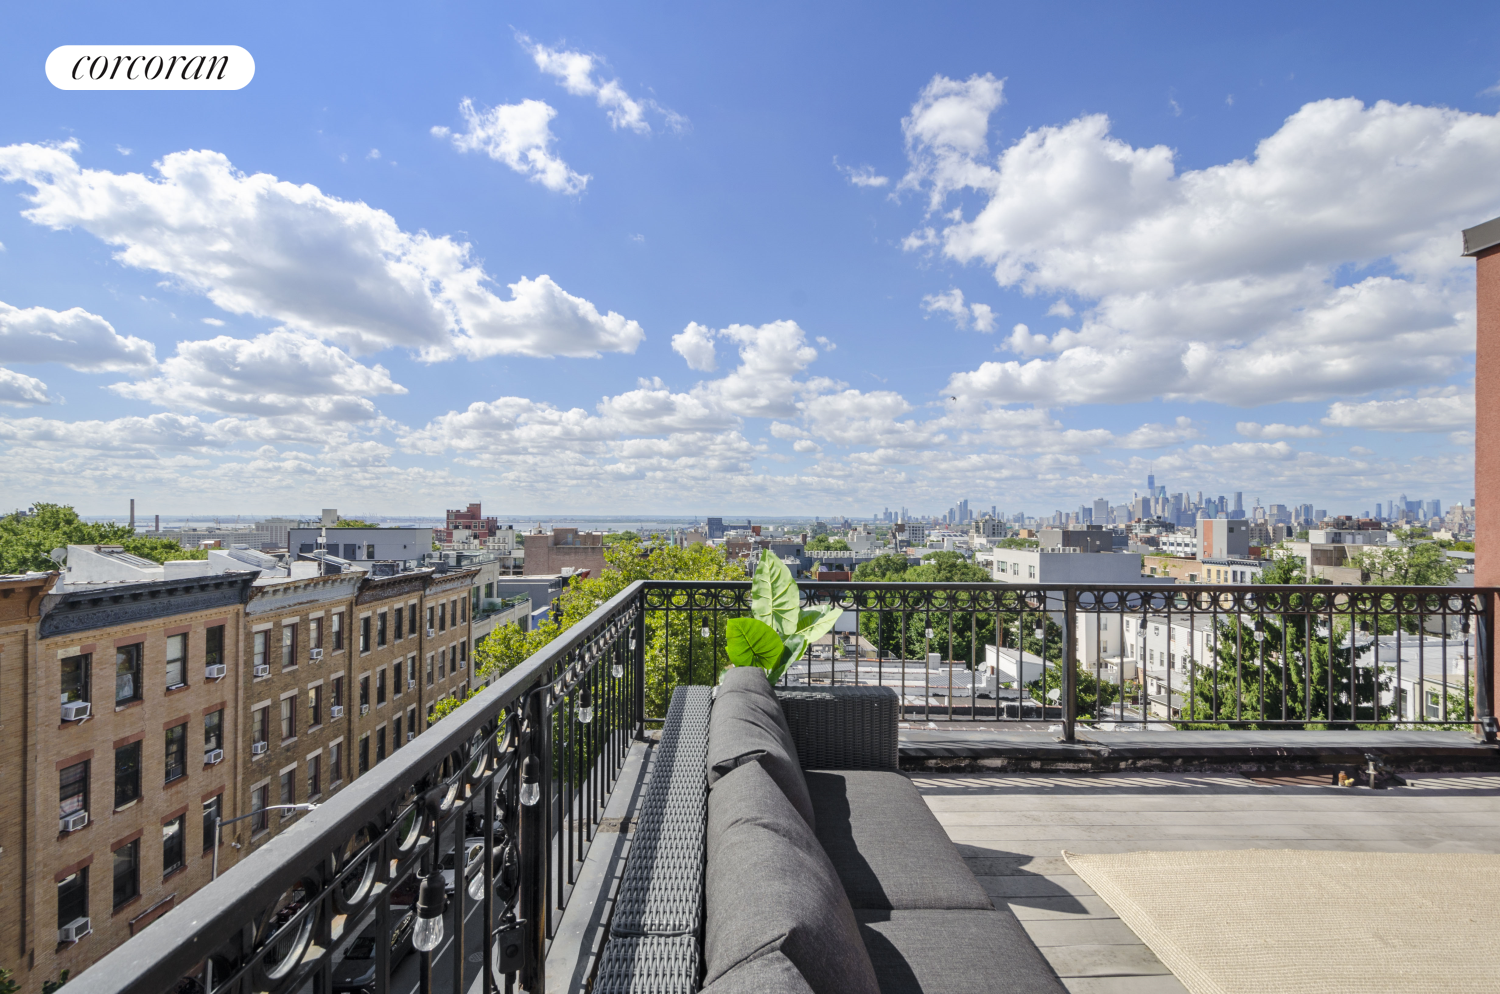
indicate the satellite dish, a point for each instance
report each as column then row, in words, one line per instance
column 1054, row 694
column 58, row 555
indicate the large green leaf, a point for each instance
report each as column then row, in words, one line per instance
column 773, row 595
column 794, row 647
column 813, row 625
column 749, row 642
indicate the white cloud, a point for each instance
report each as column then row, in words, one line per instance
column 576, row 73
column 520, row 136
column 374, row 153
column 862, row 176
column 214, row 322
column 695, row 343
column 20, row 390
column 765, row 382
column 1151, row 436
column 827, row 345
column 280, row 373
column 334, row 269
column 1445, row 410
column 1223, row 281
column 1061, row 309
column 1254, row 429
column 952, row 303
column 74, row 338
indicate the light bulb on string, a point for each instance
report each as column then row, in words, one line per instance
column 531, row 791
column 585, row 706
column 432, row 901
column 476, row 886
column 617, row 669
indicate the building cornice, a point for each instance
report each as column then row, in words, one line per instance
column 111, row 605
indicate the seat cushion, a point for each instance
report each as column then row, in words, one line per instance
column 769, row 885
column 954, row 952
column 745, row 727
column 769, row 973
column 748, row 679
column 887, row 847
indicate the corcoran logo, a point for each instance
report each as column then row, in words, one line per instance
column 150, row 67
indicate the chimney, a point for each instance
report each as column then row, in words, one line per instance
column 158, row 524
column 132, row 514
column 1482, row 242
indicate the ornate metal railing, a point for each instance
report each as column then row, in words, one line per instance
column 504, row 795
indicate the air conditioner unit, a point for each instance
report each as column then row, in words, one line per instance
column 73, row 822
column 432, row 633
column 74, row 930
column 410, row 736
column 411, row 685
column 262, row 670
column 213, row 756
column 258, row 748
column 364, row 709
column 73, row 710
column 215, row 671
column 314, row 653
column 336, row 711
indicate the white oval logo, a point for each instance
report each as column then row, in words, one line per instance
column 150, row 67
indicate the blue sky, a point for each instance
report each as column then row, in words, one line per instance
column 688, row 259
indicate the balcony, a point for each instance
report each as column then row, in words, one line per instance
column 1035, row 720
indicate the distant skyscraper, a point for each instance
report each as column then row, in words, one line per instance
column 1101, row 511
column 1239, row 500
column 1151, row 484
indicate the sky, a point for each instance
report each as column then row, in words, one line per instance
column 754, row 259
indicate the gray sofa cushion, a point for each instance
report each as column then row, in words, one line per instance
column 768, row 880
column 745, row 727
column 886, row 845
column 954, row 952
column 750, row 679
column 769, row 973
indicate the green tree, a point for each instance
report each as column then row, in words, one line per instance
column 626, row 536
column 1284, row 567
column 354, row 523
column 1018, row 543
column 883, row 568
column 1423, row 564
column 8, row 984
column 27, row 540
column 160, row 550
column 822, row 543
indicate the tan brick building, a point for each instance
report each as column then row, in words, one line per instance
column 133, row 688
column 549, row 553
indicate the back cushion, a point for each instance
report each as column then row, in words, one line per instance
column 746, row 727
column 769, row 973
column 769, row 885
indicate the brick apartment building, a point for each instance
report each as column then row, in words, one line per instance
column 470, row 520
column 549, row 553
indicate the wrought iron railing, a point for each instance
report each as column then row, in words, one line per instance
column 369, row 865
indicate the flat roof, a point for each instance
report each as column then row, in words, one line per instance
column 1481, row 237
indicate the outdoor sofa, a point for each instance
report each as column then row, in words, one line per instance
column 752, row 871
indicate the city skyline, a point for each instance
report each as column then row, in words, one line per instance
column 598, row 262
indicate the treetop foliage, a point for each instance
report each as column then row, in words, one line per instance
column 822, row 543
column 354, row 523
column 26, row 540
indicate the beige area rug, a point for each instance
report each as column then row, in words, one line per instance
column 1304, row 922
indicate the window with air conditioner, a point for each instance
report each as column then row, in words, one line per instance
column 364, row 694
column 337, row 698
column 73, row 906
column 75, row 686
column 73, row 797
column 213, row 647
column 128, row 674
column 213, row 731
column 176, row 661
column 315, row 637
column 259, row 732
column 261, row 662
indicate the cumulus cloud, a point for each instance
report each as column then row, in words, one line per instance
column 862, row 176
column 334, row 269
column 765, row 383
column 1254, row 429
column 695, row 343
column 577, row 72
column 1449, row 409
column 20, row 390
column 952, row 304
column 520, row 136
column 74, row 338
column 1224, row 282
column 280, row 373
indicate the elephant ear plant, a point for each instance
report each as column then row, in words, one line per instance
column 778, row 630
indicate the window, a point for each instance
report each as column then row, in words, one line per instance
column 338, row 631
column 411, row 618
column 260, row 649
column 75, row 678
column 364, row 691
column 380, row 743
column 1434, row 706
column 489, row 591
column 370, row 551
column 1031, row 572
column 258, row 730
column 127, row 872
column 176, row 660
column 127, row 773
column 452, row 659
column 173, row 844
column 380, row 626
column 396, row 685
column 411, row 721
column 431, row 617
column 213, row 646
column 364, row 634
column 429, row 669
column 288, row 718
column 288, row 646
column 127, row 673
column 442, row 655
column 338, row 691
column 396, row 732
column 176, row 748
column 259, row 798
column 213, row 730
column 466, row 606
column 73, row 791
column 288, row 791
column 380, row 686
column 73, row 897
column 315, row 633
column 463, row 653
column 400, row 616
column 442, row 617
column 314, row 781
column 212, row 812
column 364, row 754
column 411, row 670
column 336, row 761
column 315, row 706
